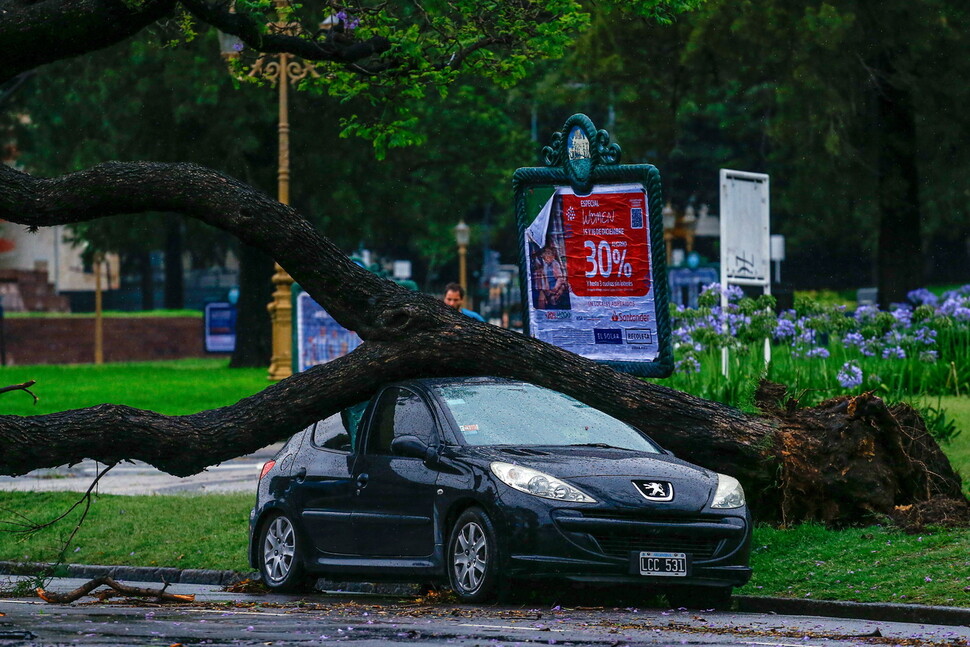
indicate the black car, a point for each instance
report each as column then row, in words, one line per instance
column 481, row 481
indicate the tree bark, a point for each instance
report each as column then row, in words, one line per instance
column 407, row 334
column 35, row 32
column 899, row 257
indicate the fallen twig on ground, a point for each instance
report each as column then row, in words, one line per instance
column 87, row 588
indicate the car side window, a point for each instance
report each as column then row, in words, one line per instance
column 400, row 413
column 332, row 433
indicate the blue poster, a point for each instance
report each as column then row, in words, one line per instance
column 220, row 328
column 319, row 338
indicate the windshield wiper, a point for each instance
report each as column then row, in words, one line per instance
column 601, row 446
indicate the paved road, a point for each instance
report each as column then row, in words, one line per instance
column 218, row 618
column 238, row 474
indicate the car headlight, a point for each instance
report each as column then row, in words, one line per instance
column 729, row 493
column 536, row 483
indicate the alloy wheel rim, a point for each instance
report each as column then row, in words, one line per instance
column 470, row 557
column 279, row 547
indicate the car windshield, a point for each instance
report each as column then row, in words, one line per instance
column 525, row 414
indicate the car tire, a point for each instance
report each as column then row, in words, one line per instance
column 281, row 556
column 473, row 557
column 700, row 597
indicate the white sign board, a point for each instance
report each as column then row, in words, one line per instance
column 745, row 247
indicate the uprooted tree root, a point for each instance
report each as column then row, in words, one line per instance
column 853, row 459
column 115, row 588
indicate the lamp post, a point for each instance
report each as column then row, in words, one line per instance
column 281, row 70
column 462, row 236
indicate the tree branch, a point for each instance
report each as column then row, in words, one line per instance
column 21, row 387
column 337, row 47
column 85, row 589
column 406, row 334
column 32, row 34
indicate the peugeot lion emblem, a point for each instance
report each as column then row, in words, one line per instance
column 655, row 490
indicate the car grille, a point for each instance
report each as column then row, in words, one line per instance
column 617, row 533
column 620, row 544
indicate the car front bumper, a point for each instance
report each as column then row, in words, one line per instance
column 602, row 544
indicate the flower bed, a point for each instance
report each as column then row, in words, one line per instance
column 921, row 348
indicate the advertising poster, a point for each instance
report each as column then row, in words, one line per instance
column 220, row 328
column 319, row 338
column 588, row 259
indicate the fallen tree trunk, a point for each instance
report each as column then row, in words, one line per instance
column 836, row 463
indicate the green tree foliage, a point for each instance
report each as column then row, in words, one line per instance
column 853, row 107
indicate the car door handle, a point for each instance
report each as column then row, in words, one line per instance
column 300, row 474
column 362, row 481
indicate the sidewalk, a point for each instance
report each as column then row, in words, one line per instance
column 235, row 475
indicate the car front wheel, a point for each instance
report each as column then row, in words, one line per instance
column 281, row 560
column 473, row 559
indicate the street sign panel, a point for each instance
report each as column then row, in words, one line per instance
column 592, row 253
column 745, row 248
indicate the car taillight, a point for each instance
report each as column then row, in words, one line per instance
column 267, row 466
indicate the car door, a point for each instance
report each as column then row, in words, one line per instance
column 324, row 490
column 393, row 513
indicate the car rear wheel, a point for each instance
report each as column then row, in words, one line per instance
column 700, row 597
column 280, row 556
column 473, row 559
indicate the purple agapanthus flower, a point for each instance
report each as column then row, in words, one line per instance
column 928, row 356
column 952, row 304
column 922, row 297
column 925, row 335
column 853, row 339
column 866, row 313
column 688, row 365
column 818, row 352
column 807, row 335
column 350, row 23
column 903, row 316
column 894, row 352
column 850, row 375
column 784, row 329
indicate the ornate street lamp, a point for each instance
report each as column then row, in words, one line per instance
column 281, row 70
column 462, row 236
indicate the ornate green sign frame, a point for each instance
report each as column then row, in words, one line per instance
column 581, row 159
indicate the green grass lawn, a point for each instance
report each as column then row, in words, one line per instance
column 872, row 564
column 188, row 531
column 107, row 313
column 170, row 387
column 210, row 531
column 958, row 449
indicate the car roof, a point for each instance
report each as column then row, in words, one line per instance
column 432, row 382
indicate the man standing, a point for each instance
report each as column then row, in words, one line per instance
column 455, row 297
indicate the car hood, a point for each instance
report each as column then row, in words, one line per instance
column 612, row 474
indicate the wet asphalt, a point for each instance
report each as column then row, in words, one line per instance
column 217, row 617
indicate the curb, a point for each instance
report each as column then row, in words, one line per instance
column 188, row 576
column 877, row 611
column 133, row 573
column 883, row 612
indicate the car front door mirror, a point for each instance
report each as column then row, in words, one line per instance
column 410, row 446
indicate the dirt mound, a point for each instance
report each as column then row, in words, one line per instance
column 938, row 511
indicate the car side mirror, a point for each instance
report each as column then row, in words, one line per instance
column 411, row 447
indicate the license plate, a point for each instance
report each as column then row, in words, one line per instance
column 662, row 564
